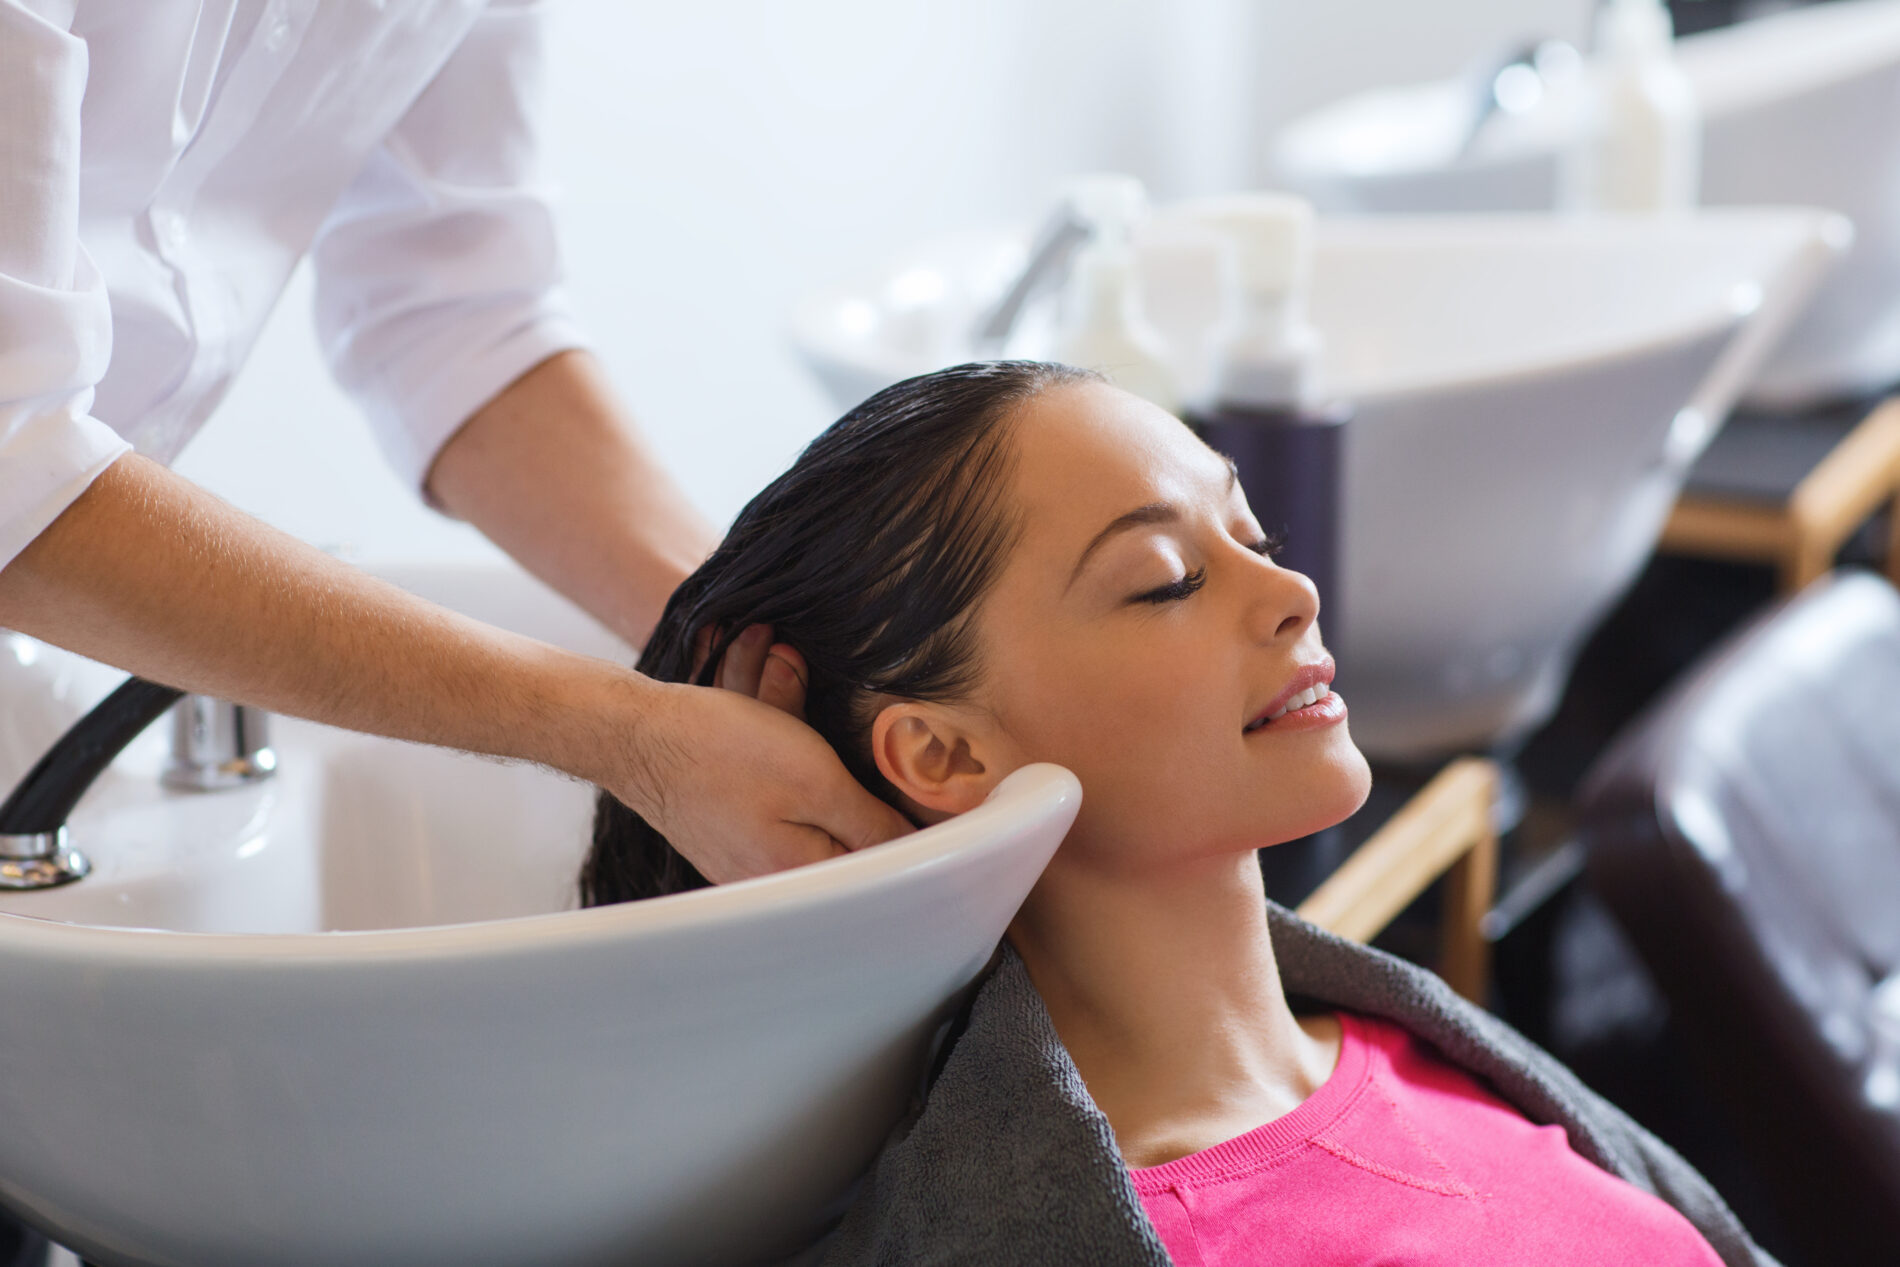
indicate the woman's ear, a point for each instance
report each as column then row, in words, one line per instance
column 934, row 757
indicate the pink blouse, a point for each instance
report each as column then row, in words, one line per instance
column 1402, row 1159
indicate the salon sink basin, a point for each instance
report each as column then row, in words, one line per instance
column 349, row 1015
column 1530, row 392
column 1798, row 107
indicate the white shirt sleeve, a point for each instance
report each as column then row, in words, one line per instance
column 438, row 272
column 55, row 321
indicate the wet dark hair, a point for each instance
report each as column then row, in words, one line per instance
column 867, row 556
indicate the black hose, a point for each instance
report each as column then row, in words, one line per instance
column 46, row 796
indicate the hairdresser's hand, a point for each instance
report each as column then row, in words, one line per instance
column 738, row 783
column 771, row 672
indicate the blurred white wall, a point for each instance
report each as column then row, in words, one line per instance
column 720, row 159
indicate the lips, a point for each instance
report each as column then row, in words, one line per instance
column 1309, row 685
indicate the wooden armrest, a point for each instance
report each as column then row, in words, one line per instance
column 1446, row 827
column 1854, row 478
column 1802, row 535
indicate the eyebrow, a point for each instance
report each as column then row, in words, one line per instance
column 1142, row 516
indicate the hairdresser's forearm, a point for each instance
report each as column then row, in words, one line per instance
column 150, row 573
column 555, row 472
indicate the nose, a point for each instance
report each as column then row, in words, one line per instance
column 1281, row 603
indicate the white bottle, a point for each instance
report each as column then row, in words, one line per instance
column 1101, row 325
column 1264, row 350
column 1640, row 146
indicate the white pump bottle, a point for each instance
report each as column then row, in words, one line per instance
column 1264, row 349
column 1641, row 144
column 1101, row 325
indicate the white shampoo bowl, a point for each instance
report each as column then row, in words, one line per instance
column 697, row 1079
column 1800, row 107
column 1529, row 392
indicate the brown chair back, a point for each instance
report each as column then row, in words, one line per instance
column 1745, row 831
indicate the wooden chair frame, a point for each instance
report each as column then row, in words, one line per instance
column 1446, row 829
column 1802, row 536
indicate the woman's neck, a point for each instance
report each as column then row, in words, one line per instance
column 1165, row 991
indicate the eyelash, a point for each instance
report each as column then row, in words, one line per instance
column 1266, row 547
column 1177, row 591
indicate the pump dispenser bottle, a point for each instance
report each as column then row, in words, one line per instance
column 1641, row 143
column 1261, row 408
column 1100, row 324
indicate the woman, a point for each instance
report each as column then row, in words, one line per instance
column 1007, row 563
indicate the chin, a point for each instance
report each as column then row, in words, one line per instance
column 1334, row 790
column 1358, row 786
column 1354, row 774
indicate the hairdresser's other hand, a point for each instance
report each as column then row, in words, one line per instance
column 742, row 787
column 771, row 672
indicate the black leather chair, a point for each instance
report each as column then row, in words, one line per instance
column 20, row 1246
column 1745, row 831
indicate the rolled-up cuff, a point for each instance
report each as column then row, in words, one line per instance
column 46, row 462
column 413, row 420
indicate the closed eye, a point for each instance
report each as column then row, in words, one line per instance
column 1267, row 547
column 1177, row 591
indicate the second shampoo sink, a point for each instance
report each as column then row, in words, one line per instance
column 1530, row 391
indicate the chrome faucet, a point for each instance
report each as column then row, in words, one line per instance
column 1055, row 246
column 215, row 745
column 1089, row 202
column 1517, row 82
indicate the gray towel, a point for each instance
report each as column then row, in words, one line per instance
column 1008, row 1162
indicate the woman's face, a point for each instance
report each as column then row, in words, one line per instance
column 1138, row 635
